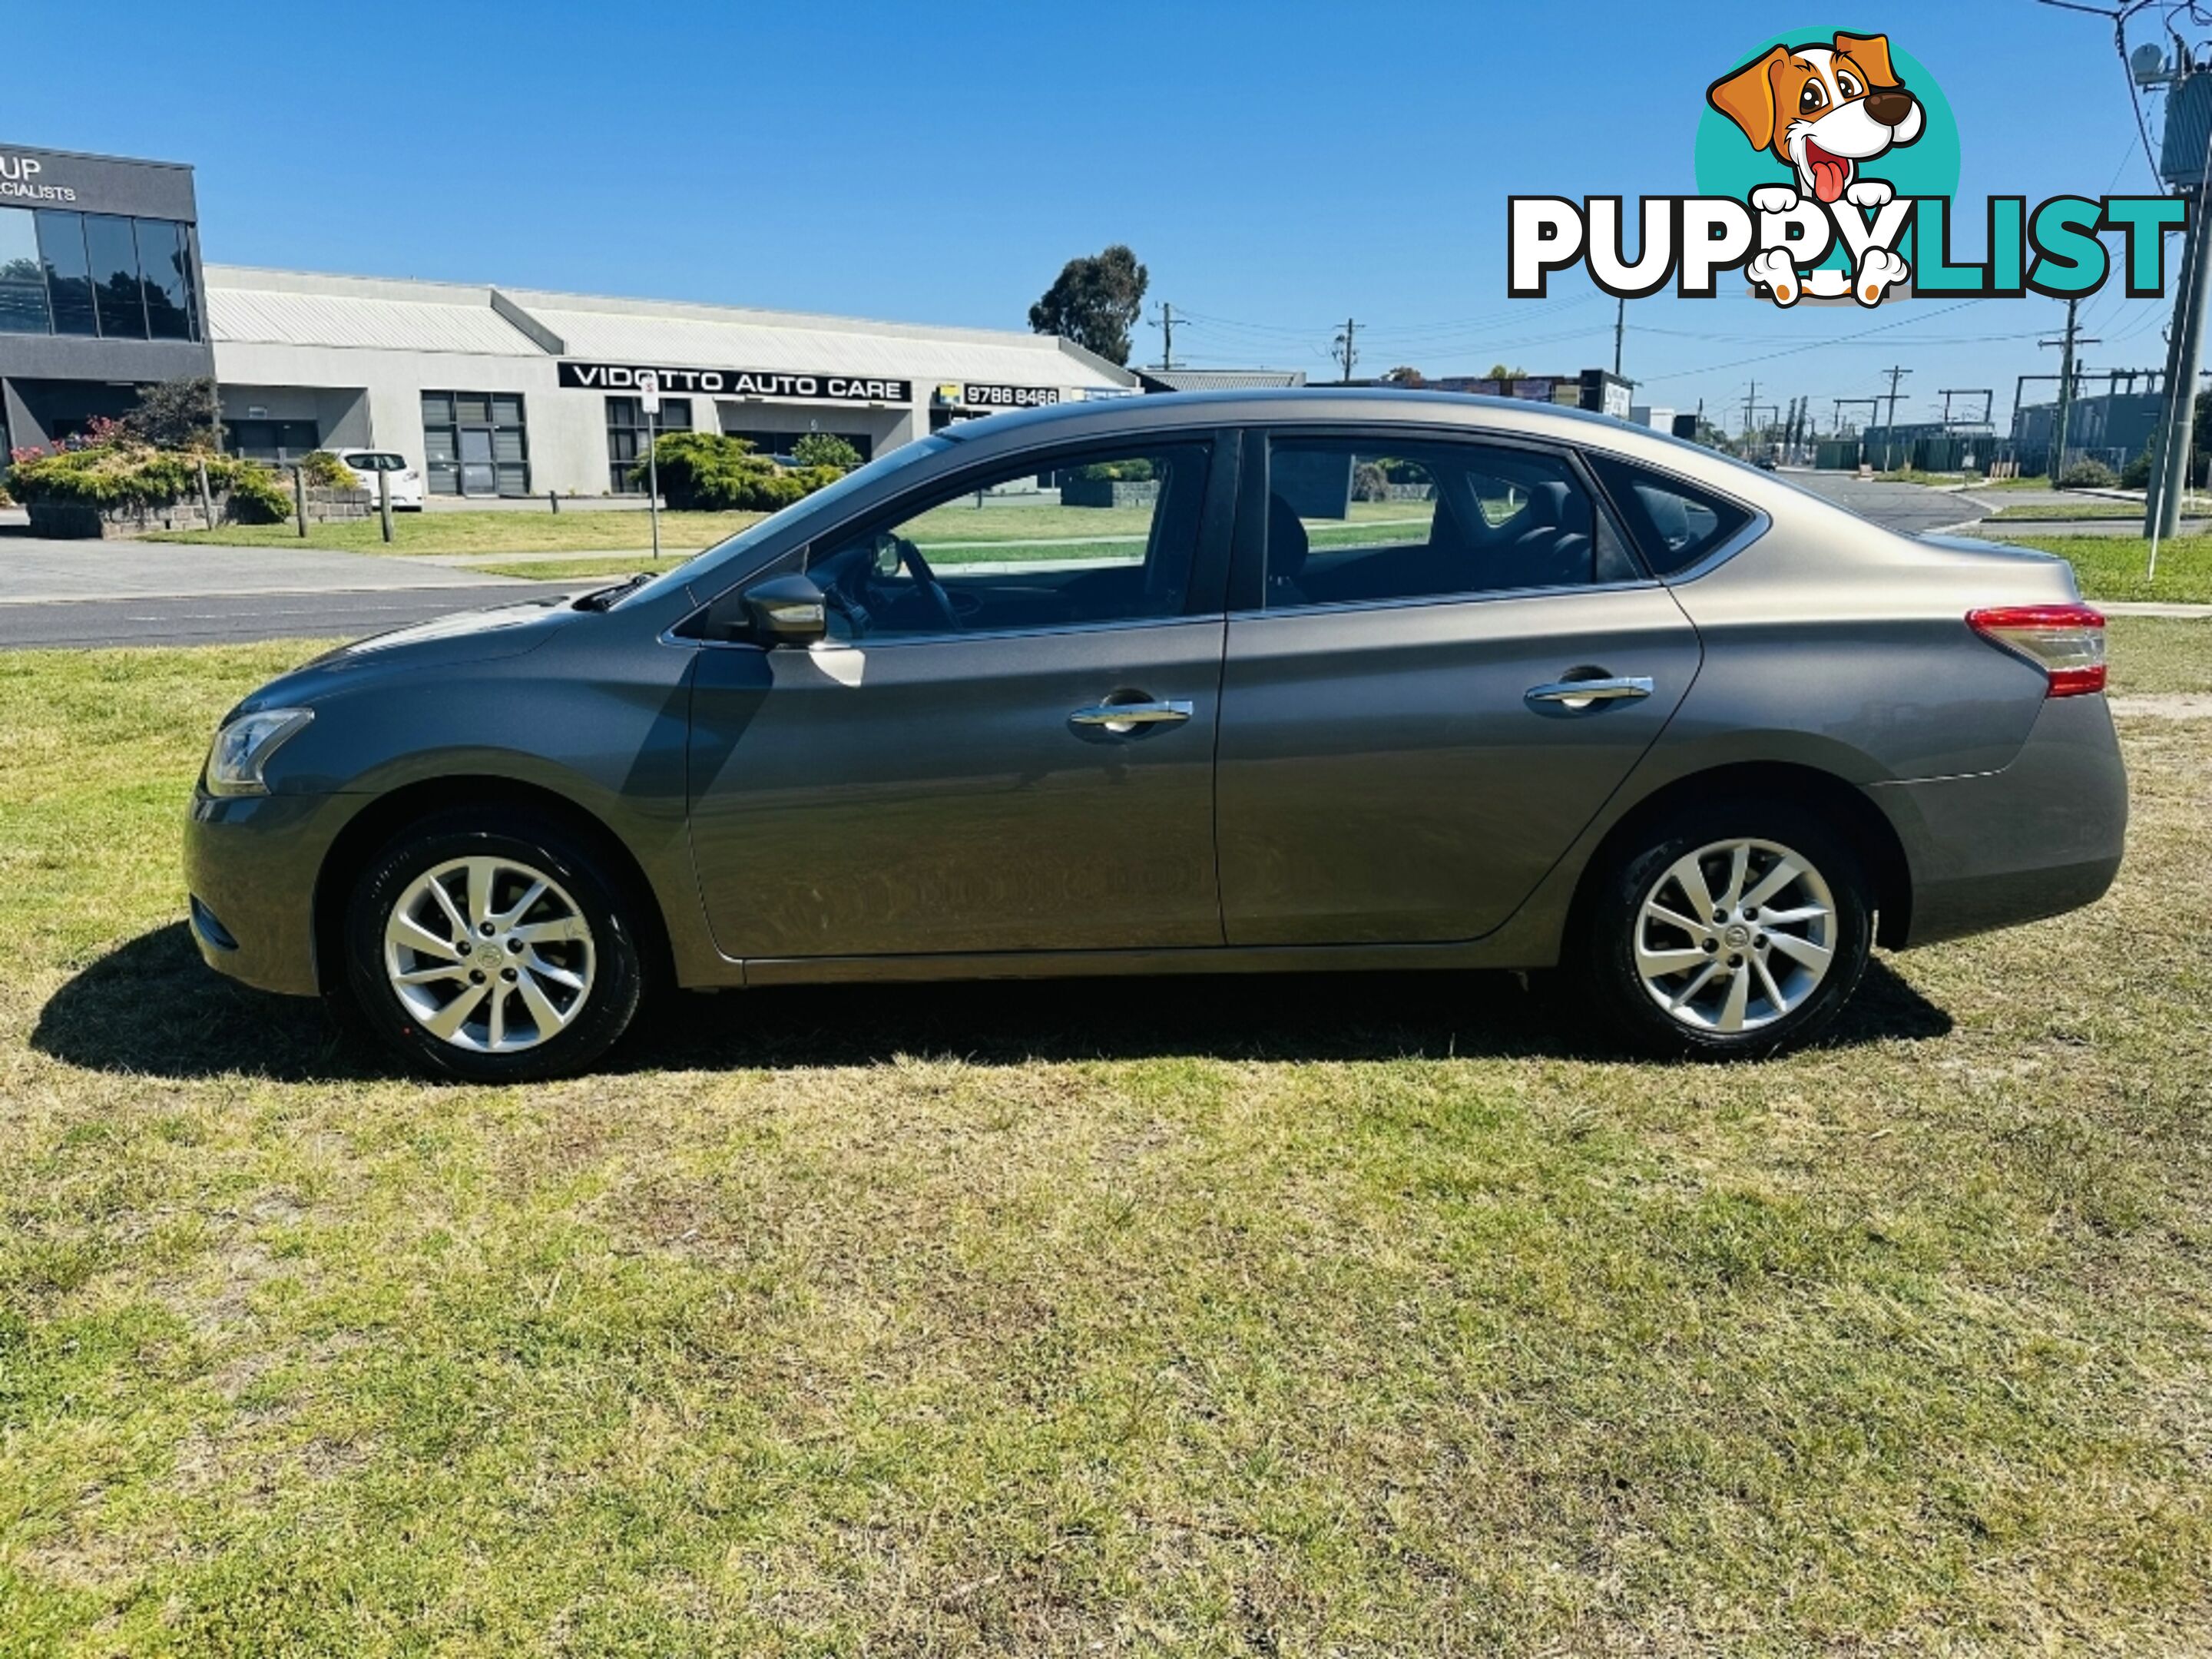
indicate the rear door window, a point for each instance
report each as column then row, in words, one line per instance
column 1675, row 524
column 1354, row 521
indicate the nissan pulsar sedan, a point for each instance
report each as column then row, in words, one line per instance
column 1215, row 683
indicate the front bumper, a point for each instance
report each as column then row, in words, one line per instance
column 2043, row 836
column 251, row 863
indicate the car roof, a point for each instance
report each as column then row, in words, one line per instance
column 1324, row 405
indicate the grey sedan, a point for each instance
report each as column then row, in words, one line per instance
column 1226, row 682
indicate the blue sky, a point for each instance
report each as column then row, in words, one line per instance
column 1278, row 167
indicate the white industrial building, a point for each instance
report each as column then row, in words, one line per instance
column 514, row 392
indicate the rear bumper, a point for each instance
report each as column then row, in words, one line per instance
column 249, row 868
column 2043, row 836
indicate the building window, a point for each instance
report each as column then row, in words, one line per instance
column 116, row 288
column 68, row 273
column 627, row 430
column 476, row 443
column 22, row 283
column 97, row 274
column 165, row 254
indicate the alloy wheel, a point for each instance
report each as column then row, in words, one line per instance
column 1735, row 935
column 489, row 955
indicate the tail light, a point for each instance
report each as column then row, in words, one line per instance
column 2066, row 642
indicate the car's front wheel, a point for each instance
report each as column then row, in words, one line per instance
column 1737, row 928
column 492, row 945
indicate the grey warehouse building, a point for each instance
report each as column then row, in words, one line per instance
column 100, row 288
column 491, row 389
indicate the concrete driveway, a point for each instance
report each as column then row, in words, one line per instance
column 35, row 572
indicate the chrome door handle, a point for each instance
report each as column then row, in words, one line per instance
column 1582, row 694
column 1130, row 716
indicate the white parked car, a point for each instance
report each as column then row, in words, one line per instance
column 406, row 481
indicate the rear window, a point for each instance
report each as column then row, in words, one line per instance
column 1675, row 524
column 373, row 461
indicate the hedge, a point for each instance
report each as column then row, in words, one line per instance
column 707, row 472
column 128, row 478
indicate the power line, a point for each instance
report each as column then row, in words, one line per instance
column 1814, row 345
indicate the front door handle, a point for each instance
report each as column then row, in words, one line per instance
column 1121, row 718
column 1584, row 694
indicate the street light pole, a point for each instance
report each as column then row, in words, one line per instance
column 648, row 386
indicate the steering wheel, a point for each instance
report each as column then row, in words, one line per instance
column 925, row 579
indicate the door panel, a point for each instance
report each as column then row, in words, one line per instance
column 933, row 794
column 1382, row 776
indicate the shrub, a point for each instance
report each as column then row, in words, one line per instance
column 175, row 415
column 2088, row 474
column 126, row 477
column 707, row 472
column 258, row 495
column 326, row 471
column 825, row 449
column 1139, row 471
column 1369, row 482
column 2135, row 475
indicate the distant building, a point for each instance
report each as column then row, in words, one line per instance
column 492, row 390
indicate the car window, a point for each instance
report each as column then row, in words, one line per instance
column 1356, row 522
column 1675, row 524
column 1099, row 536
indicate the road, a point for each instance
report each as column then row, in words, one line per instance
column 235, row 618
column 1910, row 508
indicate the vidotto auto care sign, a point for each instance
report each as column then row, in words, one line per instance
column 809, row 386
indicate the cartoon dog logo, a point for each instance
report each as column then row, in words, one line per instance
column 1823, row 111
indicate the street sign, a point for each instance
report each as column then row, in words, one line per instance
column 648, row 392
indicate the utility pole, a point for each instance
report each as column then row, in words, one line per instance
column 2067, row 343
column 1889, row 424
column 1750, row 399
column 1344, row 352
column 2169, row 473
column 1167, row 336
column 1619, row 328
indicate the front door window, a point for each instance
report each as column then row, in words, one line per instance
column 1101, row 536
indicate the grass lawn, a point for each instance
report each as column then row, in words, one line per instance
column 2069, row 510
column 1339, row 1315
column 2112, row 566
column 571, row 530
column 582, row 530
column 951, row 537
column 612, row 566
column 2160, row 655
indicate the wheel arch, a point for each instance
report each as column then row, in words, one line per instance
column 1870, row 831
column 376, row 824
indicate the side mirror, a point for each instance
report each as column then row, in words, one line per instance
column 788, row 611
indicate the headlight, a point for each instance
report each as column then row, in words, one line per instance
column 243, row 747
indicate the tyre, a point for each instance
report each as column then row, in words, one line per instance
column 492, row 945
column 1731, row 929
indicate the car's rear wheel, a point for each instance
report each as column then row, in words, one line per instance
column 1734, row 928
column 492, row 945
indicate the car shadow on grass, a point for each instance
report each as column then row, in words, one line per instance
column 152, row 1008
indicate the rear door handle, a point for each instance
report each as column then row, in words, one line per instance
column 1132, row 716
column 1584, row 694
